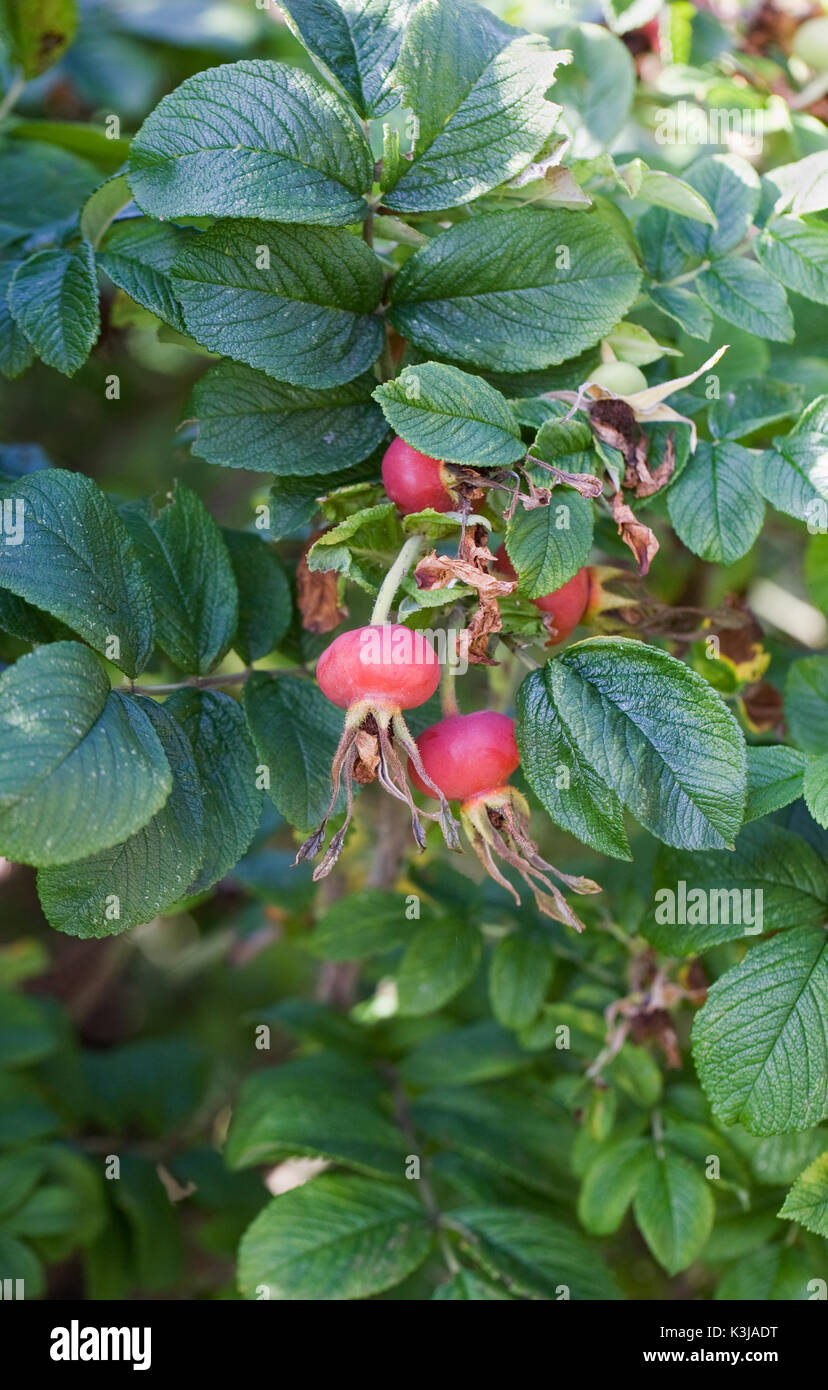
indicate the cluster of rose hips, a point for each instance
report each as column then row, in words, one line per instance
column 376, row 672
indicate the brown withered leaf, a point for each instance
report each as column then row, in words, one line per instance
column 654, row 482
column 317, row 595
column 585, row 483
column 656, row 1025
column 634, row 533
column 614, row 422
column 470, row 567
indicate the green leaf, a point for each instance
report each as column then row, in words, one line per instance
column 40, row 186
column 797, row 254
column 731, row 188
column 520, row 973
column 467, row 1288
column 816, row 571
column 613, row 711
column 536, row 1256
column 265, row 606
column 155, row 1245
column 477, row 87
column 465, row 1056
column 775, row 1274
column 774, row 779
column 77, row 562
column 16, row 352
column 37, row 32
column 61, row 730
column 358, row 41
column 663, row 190
column 361, row 547
column 103, row 206
column 448, row 414
column 335, row 1238
column 759, row 1043
column 795, row 475
column 685, row 308
column 815, row 786
column 190, row 575
column 807, row 1201
column 755, row 405
column 296, row 731
column 806, row 703
column 715, row 504
column 562, row 776
column 295, row 302
column 610, row 1183
column 596, row 92
column 247, row 420
column 528, row 287
column 225, row 761
column 440, row 959
column 286, row 1111
column 744, row 294
column 674, row 1210
column 548, row 545
column 29, row 1031
column 623, row 15
column 132, row 882
column 501, row 1128
column 768, row 861
column 107, row 152
column 53, row 298
column 361, row 924
column 252, row 139
column 138, row 257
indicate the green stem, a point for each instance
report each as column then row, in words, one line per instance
column 10, row 99
column 448, row 691
column 392, row 229
column 211, row 682
column 394, row 578
column 687, row 276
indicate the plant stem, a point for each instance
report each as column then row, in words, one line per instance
column 386, row 362
column 394, row 578
column 687, row 276
column 448, row 691
column 10, row 99
column 392, row 229
column 212, row 682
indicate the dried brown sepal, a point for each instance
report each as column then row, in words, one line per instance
column 367, row 752
column 497, row 825
column 634, row 533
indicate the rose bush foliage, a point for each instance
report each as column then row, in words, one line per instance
column 431, row 226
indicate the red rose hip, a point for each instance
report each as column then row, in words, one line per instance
column 414, row 481
column 387, row 664
column 467, row 754
column 565, row 606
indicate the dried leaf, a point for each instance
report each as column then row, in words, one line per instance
column 634, row 533
column 317, row 595
column 471, row 568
